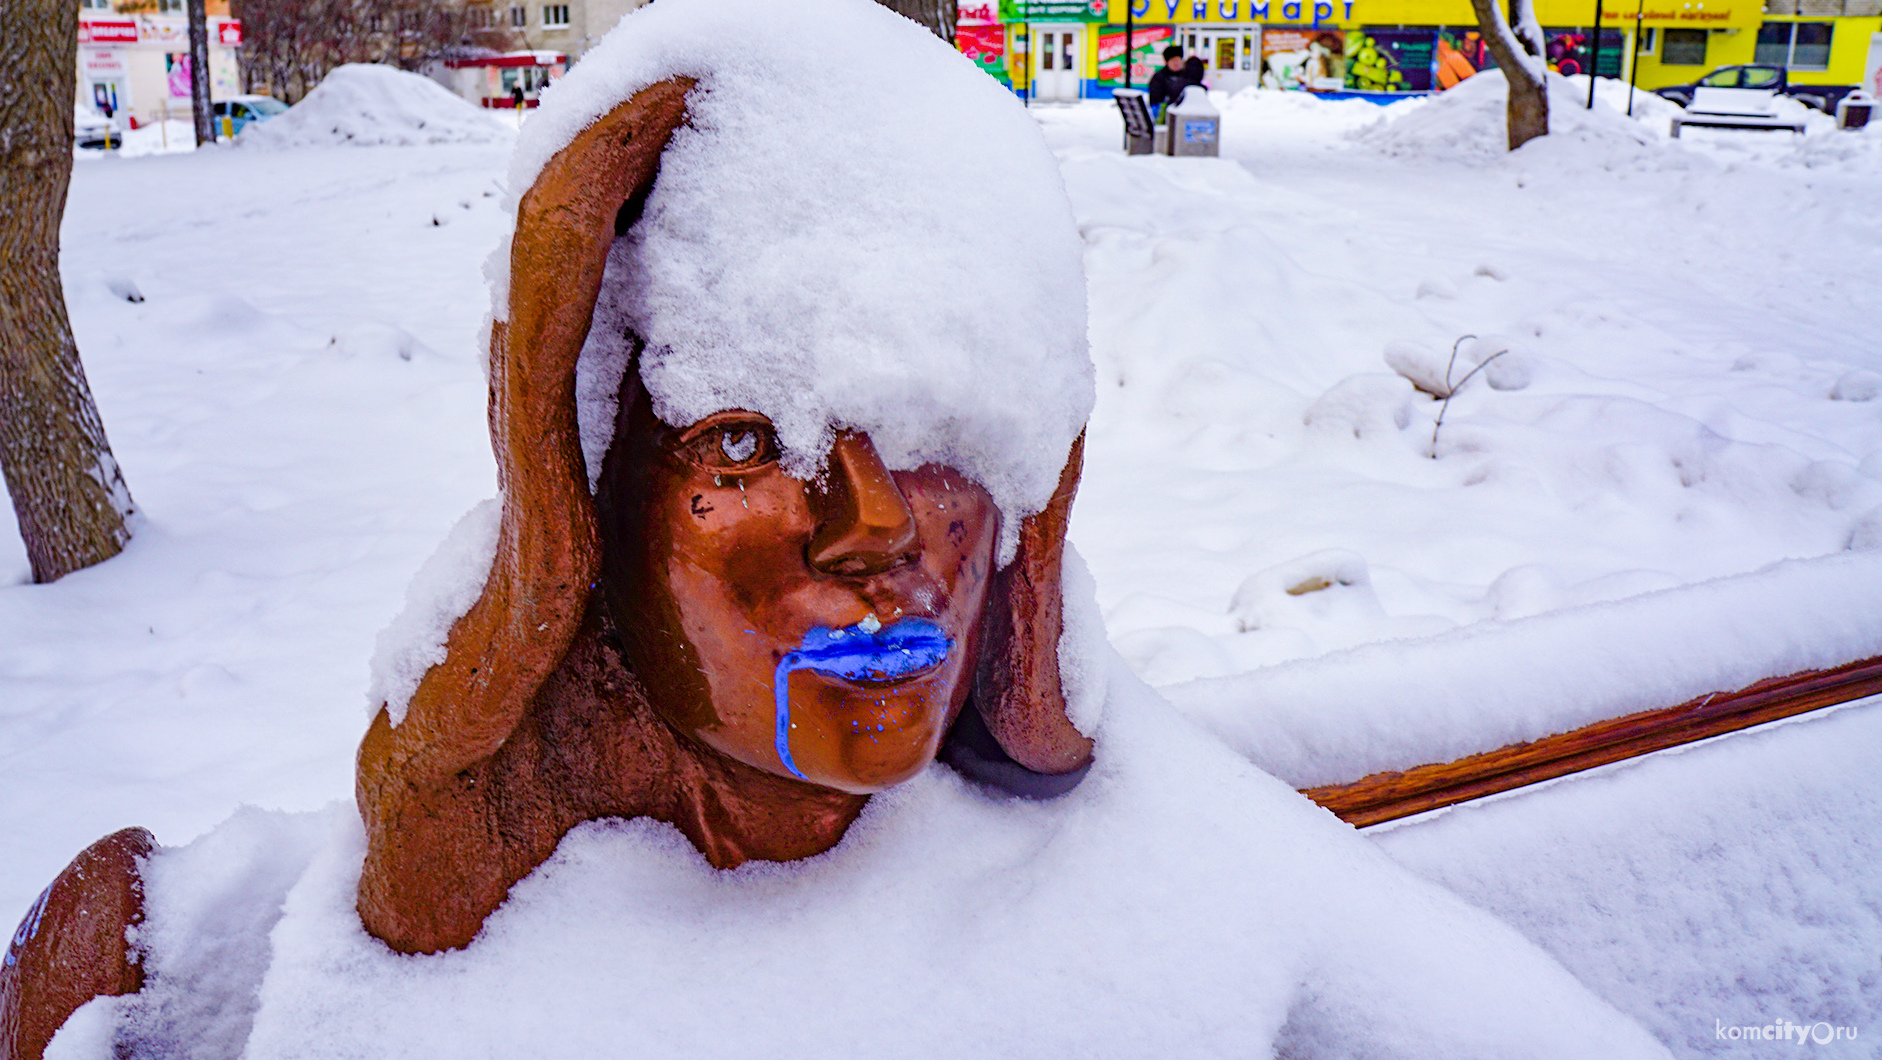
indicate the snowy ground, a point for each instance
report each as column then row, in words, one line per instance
column 1680, row 319
column 1688, row 394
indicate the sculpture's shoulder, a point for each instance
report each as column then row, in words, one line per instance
column 72, row 945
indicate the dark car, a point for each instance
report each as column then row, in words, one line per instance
column 1760, row 75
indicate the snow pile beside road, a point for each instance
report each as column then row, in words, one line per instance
column 364, row 105
column 1469, row 121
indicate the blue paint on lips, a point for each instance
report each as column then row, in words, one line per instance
column 858, row 654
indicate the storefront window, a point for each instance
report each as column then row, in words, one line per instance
column 1799, row 45
column 1810, row 49
column 1774, row 44
column 1685, row 47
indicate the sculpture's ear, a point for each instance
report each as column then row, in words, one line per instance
column 424, row 886
column 548, row 553
column 1014, row 734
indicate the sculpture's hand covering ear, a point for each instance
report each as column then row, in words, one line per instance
column 698, row 232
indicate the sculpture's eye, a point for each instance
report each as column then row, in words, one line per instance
column 738, row 447
column 730, row 445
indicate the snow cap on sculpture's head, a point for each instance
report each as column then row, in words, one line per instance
column 855, row 228
column 896, row 267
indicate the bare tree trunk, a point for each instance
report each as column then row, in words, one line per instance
column 66, row 488
column 200, row 111
column 939, row 16
column 1519, row 55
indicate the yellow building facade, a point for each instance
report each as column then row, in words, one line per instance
column 1071, row 49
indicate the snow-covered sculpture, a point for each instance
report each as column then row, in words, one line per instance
column 787, row 397
column 712, row 640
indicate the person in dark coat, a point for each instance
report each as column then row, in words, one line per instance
column 1167, row 84
column 1193, row 73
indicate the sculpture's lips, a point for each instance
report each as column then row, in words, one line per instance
column 866, row 653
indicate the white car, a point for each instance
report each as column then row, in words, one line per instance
column 90, row 128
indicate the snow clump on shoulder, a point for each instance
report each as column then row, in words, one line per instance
column 901, row 260
column 365, row 105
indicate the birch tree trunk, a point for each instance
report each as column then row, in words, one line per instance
column 1519, row 54
column 66, row 488
column 939, row 16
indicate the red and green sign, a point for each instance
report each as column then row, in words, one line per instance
column 1147, row 44
column 986, row 46
column 1053, row 10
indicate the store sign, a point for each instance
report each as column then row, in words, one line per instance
column 229, row 33
column 984, row 13
column 1053, row 10
column 986, row 46
column 1309, row 12
column 1683, row 14
column 163, row 31
column 102, row 62
column 1390, row 60
column 107, row 31
column 177, row 74
column 1147, row 44
column 1304, row 59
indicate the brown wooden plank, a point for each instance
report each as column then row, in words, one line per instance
column 1389, row 796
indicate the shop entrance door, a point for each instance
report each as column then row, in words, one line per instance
column 1231, row 54
column 1057, row 60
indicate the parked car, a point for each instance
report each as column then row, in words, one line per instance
column 91, row 129
column 240, row 110
column 1760, row 75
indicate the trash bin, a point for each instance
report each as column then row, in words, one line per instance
column 1854, row 110
column 1195, row 125
column 1139, row 133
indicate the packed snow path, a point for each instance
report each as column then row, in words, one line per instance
column 297, row 404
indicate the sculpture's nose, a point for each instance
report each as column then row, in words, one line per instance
column 864, row 524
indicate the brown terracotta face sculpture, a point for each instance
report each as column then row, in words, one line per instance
column 707, row 641
column 825, row 630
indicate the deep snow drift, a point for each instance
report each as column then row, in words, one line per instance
column 299, row 410
column 365, row 105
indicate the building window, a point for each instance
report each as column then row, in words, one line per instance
column 519, row 17
column 1774, row 44
column 555, row 16
column 478, row 17
column 1810, row 48
column 1798, row 45
column 1685, row 47
column 94, row 5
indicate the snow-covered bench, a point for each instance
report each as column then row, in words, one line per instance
column 1734, row 108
